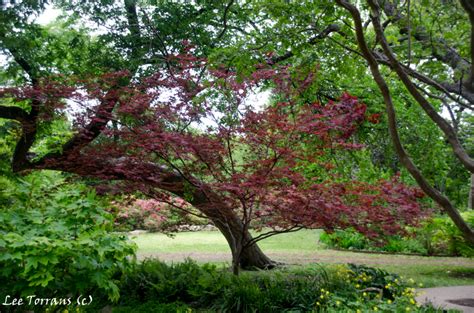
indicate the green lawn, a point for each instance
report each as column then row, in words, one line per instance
column 214, row 241
column 302, row 249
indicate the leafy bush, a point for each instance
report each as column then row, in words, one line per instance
column 345, row 239
column 400, row 244
column 54, row 239
column 435, row 236
column 441, row 235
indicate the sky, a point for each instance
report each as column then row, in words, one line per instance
column 48, row 15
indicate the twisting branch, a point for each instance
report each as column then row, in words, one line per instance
column 441, row 50
column 224, row 19
column 86, row 135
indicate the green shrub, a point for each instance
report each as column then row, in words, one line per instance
column 445, row 236
column 399, row 244
column 435, row 236
column 348, row 238
column 54, row 239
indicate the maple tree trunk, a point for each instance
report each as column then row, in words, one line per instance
column 247, row 257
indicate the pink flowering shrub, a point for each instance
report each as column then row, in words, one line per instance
column 152, row 215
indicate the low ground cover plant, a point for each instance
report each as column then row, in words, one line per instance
column 153, row 286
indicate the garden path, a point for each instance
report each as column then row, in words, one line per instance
column 456, row 297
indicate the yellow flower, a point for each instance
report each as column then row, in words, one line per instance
column 376, row 308
column 338, row 302
column 389, row 301
column 357, row 286
column 365, row 294
column 407, row 309
column 317, row 303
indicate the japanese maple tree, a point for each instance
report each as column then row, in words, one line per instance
column 191, row 132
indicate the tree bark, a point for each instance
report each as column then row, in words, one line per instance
column 471, row 194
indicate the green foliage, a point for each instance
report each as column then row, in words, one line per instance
column 9, row 130
column 185, row 282
column 344, row 239
column 350, row 239
column 51, row 136
column 440, row 234
column 54, row 239
column 153, row 285
column 436, row 236
column 154, row 307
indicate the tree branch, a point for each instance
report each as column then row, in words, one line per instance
column 314, row 40
column 13, row 113
column 133, row 26
column 224, row 19
column 469, row 8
